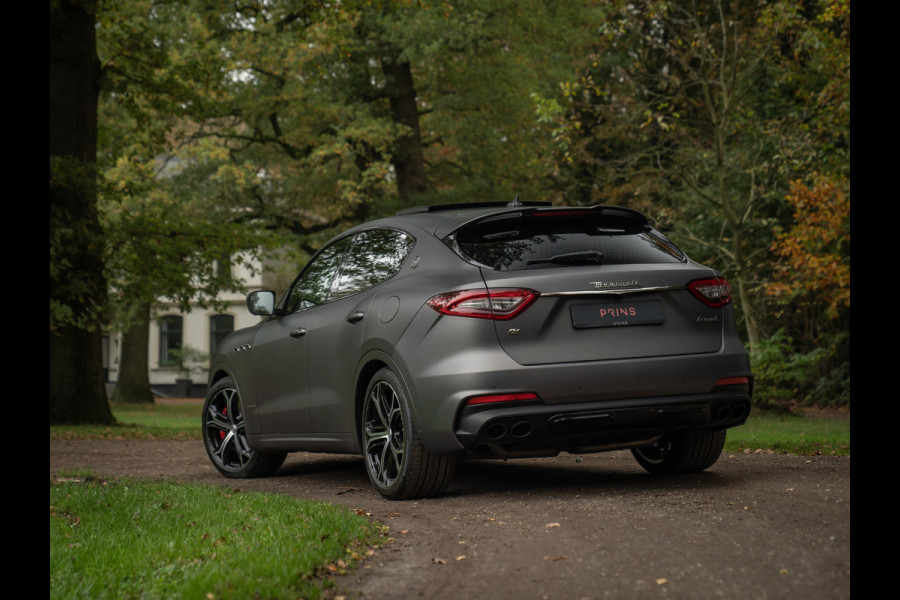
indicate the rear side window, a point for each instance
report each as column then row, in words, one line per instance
column 540, row 240
column 376, row 255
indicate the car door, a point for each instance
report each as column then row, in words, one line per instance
column 281, row 347
column 337, row 338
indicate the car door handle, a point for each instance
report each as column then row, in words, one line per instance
column 299, row 332
column 355, row 317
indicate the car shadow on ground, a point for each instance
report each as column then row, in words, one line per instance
column 565, row 474
column 570, row 475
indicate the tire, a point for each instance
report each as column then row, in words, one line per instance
column 683, row 452
column 225, row 438
column 398, row 465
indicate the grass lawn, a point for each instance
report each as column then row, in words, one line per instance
column 790, row 434
column 122, row 539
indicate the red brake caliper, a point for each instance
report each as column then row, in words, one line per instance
column 222, row 433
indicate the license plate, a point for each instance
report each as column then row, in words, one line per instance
column 618, row 314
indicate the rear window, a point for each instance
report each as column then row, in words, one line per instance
column 541, row 240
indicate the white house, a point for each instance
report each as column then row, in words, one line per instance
column 200, row 328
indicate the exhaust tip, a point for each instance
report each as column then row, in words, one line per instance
column 522, row 430
column 723, row 413
column 495, row 431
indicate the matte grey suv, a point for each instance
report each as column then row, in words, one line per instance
column 485, row 329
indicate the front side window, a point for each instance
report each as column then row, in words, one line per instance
column 349, row 266
column 170, row 334
column 314, row 284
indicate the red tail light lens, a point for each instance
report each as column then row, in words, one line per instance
column 497, row 304
column 501, row 398
column 713, row 292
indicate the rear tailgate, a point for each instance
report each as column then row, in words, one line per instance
column 591, row 313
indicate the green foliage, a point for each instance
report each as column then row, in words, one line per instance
column 285, row 114
column 785, row 376
column 227, row 130
column 166, row 232
column 188, row 359
column 701, row 114
column 832, row 387
column 76, row 243
column 780, row 373
column 811, row 282
column 130, row 539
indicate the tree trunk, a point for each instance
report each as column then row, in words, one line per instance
column 408, row 159
column 77, row 284
column 134, row 376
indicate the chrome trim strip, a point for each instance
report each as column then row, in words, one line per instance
column 617, row 292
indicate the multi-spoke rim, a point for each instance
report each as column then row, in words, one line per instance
column 385, row 435
column 224, row 429
column 656, row 452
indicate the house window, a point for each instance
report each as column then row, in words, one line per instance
column 223, row 268
column 170, row 331
column 219, row 327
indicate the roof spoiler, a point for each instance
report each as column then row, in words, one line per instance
column 465, row 205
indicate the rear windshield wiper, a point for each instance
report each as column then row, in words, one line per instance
column 571, row 258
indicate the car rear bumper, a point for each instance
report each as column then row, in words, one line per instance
column 445, row 361
column 578, row 404
column 536, row 429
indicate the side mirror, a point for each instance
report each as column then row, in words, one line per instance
column 261, row 303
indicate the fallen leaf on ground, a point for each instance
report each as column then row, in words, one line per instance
column 439, row 561
column 552, row 525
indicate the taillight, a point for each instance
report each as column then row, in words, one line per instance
column 498, row 304
column 713, row 292
column 501, row 398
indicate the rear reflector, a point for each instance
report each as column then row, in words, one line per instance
column 733, row 381
column 497, row 304
column 713, row 292
column 501, row 398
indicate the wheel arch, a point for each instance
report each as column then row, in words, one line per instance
column 224, row 433
column 221, row 370
column 370, row 364
column 216, row 374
